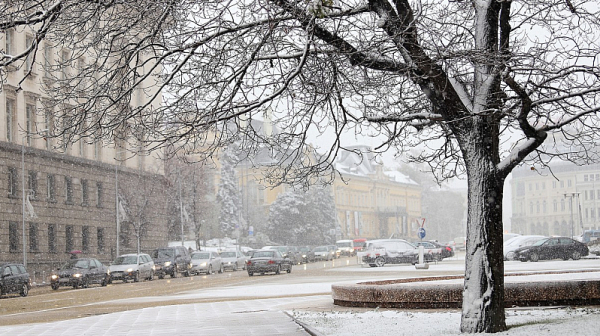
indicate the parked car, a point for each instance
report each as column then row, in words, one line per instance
column 431, row 251
column 285, row 251
column 514, row 243
column 552, row 248
column 131, row 267
column 206, row 262
column 264, row 261
column 307, row 254
column 323, row 253
column 171, row 261
column 80, row 272
column 447, row 251
column 459, row 243
column 233, row 260
column 390, row 251
column 334, row 251
column 14, row 279
column 345, row 247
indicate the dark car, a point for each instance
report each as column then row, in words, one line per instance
column 81, row 272
column 436, row 250
column 307, row 254
column 263, row 261
column 14, row 279
column 552, row 248
column 171, row 261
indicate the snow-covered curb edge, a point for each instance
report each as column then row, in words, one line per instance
column 304, row 326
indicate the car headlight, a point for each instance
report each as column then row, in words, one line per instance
column 304, row 256
column 108, row 271
column 167, row 264
column 129, row 270
column 77, row 275
column 203, row 264
column 54, row 276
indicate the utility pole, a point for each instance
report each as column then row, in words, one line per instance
column 570, row 197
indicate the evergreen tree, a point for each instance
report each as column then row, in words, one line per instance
column 229, row 194
column 302, row 218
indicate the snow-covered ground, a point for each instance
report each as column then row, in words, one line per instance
column 521, row 322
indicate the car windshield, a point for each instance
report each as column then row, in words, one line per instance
column 162, row 253
column 77, row 263
column 125, row 260
column 321, row 249
column 263, row 254
column 228, row 254
column 200, row 255
column 304, row 249
column 360, row 244
column 540, row 242
column 281, row 249
column 344, row 244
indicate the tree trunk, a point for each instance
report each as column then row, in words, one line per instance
column 483, row 295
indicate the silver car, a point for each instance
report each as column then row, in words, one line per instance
column 206, row 262
column 233, row 260
column 131, row 267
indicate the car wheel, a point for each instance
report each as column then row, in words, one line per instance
column 289, row 270
column 380, row 262
column 372, row 265
column 210, row 271
column 54, row 286
column 75, row 286
column 534, row 257
column 104, row 282
column 221, row 269
column 85, row 283
column 250, row 274
column 161, row 276
column 576, row 255
column 24, row 290
column 174, row 273
column 278, row 269
column 235, row 267
column 136, row 277
column 151, row 276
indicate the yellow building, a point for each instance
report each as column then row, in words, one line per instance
column 374, row 203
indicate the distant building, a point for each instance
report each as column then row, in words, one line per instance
column 562, row 201
column 375, row 203
column 57, row 199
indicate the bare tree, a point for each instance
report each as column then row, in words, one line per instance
column 478, row 86
column 135, row 203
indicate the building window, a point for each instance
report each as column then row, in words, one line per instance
column 51, row 238
column 562, row 184
column 29, row 122
column 562, row 205
column 47, row 59
column 99, row 194
column 569, row 183
column 10, row 119
column 48, row 124
column 50, row 188
column 13, row 180
column 10, row 40
column 100, row 237
column 32, row 183
column 29, row 60
column 553, row 184
column 85, row 196
column 531, row 207
column 544, row 207
column 592, row 193
column 13, row 236
column 65, row 62
column 69, row 238
column 85, row 239
column 33, row 237
column 68, row 190
column 537, row 207
column 585, row 178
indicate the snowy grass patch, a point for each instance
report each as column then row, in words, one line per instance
column 525, row 322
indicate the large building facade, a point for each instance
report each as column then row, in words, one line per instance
column 562, row 201
column 56, row 199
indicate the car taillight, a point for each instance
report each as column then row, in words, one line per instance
column 271, row 261
column 248, row 262
column 448, row 248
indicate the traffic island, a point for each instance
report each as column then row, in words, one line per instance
column 520, row 289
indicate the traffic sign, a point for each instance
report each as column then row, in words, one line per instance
column 421, row 233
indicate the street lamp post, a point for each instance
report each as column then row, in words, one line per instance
column 570, row 197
